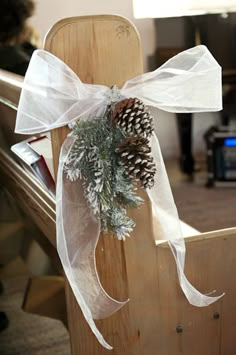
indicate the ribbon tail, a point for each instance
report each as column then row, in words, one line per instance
column 169, row 227
column 194, row 297
column 77, row 236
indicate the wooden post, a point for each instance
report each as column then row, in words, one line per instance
column 106, row 50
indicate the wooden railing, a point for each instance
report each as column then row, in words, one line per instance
column 45, row 294
column 34, row 199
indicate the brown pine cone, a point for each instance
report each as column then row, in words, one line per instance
column 133, row 117
column 135, row 157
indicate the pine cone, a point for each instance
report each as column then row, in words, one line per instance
column 133, row 117
column 135, row 157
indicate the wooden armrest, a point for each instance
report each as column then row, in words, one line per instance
column 199, row 237
column 33, row 199
column 10, row 87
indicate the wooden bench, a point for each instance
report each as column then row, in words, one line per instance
column 36, row 204
column 35, row 200
column 158, row 319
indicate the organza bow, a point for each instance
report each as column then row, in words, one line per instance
column 53, row 96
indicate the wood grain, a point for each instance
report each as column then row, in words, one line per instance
column 102, row 50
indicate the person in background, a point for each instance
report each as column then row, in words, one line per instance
column 16, row 49
column 30, row 40
column 15, row 46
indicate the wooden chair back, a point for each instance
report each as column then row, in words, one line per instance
column 107, row 50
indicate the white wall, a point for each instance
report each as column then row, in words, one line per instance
column 50, row 11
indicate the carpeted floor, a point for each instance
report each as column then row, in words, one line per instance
column 29, row 334
column 204, row 208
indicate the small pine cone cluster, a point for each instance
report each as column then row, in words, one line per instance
column 135, row 157
column 133, row 117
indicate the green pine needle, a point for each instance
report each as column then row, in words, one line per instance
column 107, row 188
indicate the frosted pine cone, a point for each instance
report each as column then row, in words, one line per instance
column 135, row 157
column 133, row 117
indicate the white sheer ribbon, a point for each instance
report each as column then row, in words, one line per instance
column 53, row 96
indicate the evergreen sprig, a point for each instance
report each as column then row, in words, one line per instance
column 107, row 187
